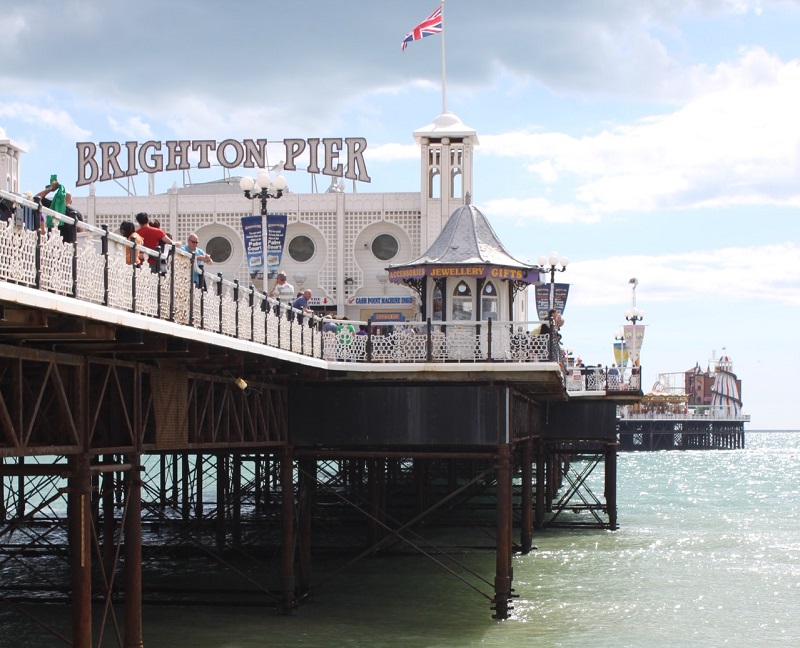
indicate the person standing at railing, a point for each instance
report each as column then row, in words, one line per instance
column 283, row 291
column 200, row 259
column 153, row 237
column 613, row 377
column 301, row 304
column 58, row 203
column 128, row 230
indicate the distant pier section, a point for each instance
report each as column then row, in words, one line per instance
column 691, row 410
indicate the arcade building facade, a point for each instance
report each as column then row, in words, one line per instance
column 337, row 244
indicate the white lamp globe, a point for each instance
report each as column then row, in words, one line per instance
column 553, row 258
column 246, row 183
column 564, row 262
column 263, row 179
column 542, row 261
column 279, row 183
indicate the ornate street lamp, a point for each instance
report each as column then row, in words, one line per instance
column 263, row 188
column 550, row 264
column 634, row 315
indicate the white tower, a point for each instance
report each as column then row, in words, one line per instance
column 446, row 148
column 9, row 163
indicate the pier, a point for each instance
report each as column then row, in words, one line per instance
column 144, row 419
column 691, row 410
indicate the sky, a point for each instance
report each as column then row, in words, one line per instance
column 648, row 139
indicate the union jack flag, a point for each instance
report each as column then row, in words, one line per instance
column 431, row 25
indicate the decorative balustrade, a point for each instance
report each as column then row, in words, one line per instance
column 95, row 269
column 693, row 414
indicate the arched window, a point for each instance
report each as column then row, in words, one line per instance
column 490, row 302
column 456, row 188
column 437, row 315
column 462, row 302
column 434, row 183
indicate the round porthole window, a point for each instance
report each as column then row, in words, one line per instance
column 301, row 248
column 219, row 248
column 385, row 247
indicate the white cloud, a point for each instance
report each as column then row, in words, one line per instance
column 133, row 128
column 537, row 209
column 391, row 152
column 56, row 119
column 735, row 143
column 734, row 274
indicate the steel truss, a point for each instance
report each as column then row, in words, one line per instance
column 571, row 469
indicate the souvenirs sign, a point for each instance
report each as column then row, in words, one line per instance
column 114, row 160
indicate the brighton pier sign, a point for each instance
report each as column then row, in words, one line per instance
column 114, row 160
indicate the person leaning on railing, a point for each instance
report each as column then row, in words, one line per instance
column 128, row 230
column 153, row 237
column 200, row 258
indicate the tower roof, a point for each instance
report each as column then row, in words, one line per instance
column 446, row 125
column 467, row 240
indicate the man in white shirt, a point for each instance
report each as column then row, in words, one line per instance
column 283, row 291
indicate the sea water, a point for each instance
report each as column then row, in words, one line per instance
column 707, row 554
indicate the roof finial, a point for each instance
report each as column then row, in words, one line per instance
column 468, row 198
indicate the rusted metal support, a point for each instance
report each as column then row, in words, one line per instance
column 185, row 488
column 526, row 500
column 162, row 478
column 222, row 480
column 502, row 580
column 3, row 512
column 373, row 495
column 109, row 524
column 133, row 553
column 611, row 485
column 259, row 485
column 236, row 496
column 80, row 543
column 198, row 496
column 308, row 471
column 287, row 531
column 538, row 519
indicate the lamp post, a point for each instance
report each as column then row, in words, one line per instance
column 634, row 315
column 263, row 188
column 550, row 264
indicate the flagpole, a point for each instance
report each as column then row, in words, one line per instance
column 444, row 76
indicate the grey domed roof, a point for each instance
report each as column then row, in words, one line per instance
column 466, row 240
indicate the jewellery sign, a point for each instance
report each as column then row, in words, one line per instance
column 115, row 160
column 527, row 275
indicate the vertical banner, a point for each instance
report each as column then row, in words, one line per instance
column 621, row 354
column 253, row 244
column 634, row 335
column 560, row 301
column 542, row 300
column 276, row 235
column 560, row 292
